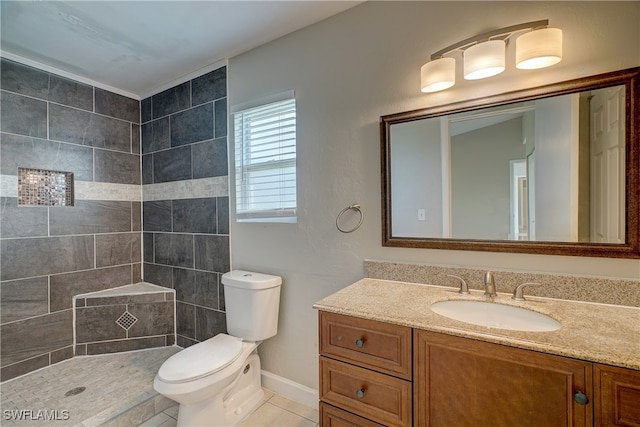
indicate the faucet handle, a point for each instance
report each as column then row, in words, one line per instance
column 518, row 294
column 464, row 289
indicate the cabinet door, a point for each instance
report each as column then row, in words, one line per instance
column 462, row 382
column 618, row 397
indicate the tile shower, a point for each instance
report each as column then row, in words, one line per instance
column 149, row 185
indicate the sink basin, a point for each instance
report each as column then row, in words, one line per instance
column 494, row 315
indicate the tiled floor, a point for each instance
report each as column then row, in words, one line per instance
column 274, row 411
column 117, row 392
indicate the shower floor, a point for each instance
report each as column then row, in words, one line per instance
column 103, row 390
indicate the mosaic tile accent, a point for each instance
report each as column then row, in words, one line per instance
column 39, row 187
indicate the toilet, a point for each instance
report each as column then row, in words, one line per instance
column 217, row 381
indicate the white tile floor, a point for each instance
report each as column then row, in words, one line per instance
column 118, row 391
column 274, row 411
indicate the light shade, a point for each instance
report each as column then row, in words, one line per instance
column 484, row 59
column 539, row 48
column 439, row 74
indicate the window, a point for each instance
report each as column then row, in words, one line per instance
column 265, row 160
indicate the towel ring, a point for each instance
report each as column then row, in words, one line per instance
column 355, row 207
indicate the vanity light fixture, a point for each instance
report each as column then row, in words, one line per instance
column 484, row 55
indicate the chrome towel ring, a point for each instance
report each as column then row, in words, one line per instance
column 355, row 207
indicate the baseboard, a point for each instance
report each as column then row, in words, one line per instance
column 290, row 389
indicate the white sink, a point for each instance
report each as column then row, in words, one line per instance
column 494, row 315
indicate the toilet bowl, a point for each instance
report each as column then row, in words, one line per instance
column 217, row 381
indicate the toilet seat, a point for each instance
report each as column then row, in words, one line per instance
column 201, row 360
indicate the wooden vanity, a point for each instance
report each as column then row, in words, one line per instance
column 380, row 367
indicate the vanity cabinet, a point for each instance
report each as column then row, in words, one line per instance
column 462, row 382
column 373, row 373
column 618, row 397
column 365, row 372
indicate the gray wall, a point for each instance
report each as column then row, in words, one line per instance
column 50, row 254
column 349, row 70
column 185, row 208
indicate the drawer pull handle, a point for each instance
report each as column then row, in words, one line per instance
column 360, row 393
column 580, row 398
column 359, row 343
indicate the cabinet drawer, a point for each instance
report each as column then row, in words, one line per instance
column 331, row 416
column 378, row 397
column 367, row 343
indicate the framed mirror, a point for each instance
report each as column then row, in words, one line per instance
column 548, row 170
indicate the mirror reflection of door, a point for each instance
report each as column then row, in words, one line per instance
column 607, row 165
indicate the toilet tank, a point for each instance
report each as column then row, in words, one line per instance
column 252, row 302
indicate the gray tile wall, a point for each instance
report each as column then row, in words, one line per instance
column 50, row 254
column 186, row 238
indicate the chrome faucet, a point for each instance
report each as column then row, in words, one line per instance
column 489, row 285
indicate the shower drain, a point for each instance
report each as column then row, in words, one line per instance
column 75, row 391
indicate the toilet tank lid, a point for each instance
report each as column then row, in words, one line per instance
column 250, row 280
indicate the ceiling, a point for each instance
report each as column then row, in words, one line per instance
column 141, row 47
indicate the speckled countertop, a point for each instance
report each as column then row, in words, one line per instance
column 594, row 332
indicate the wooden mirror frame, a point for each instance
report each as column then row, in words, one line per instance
column 630, row 78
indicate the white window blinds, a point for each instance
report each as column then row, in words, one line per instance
column 265, row 160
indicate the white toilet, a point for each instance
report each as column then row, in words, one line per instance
column 217, row 382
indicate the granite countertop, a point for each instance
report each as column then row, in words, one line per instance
column 602, row 333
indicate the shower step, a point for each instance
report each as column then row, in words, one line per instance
column 131, row 317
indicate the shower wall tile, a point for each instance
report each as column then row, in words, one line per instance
column 209, row 323
column 81, row 127
column 62, row 354
column 210, row 158
column 24, row 80
column 171, row 100
column 136, row 138
column 223, row 214
column 99, row 323
column 156, row 135
column 117, row 249
column 118, row 106
column 157, row 274
column 136, row 216
column 24, row 367
column 47, row 253
column 221, row 118
column 194, row 215
column 22, row 221
column 157, row 215
column 184, row 201
column 145, row 110
column 172, row 165
column 206, row 289
column 209, row 87
column 90, row 217
column 22, row 151
column 193, row 125
column 147, row 169
column 65, row 286
column 21, row 258
column 71, row 93
column 212, row 253
column 21, row 299
column 29, row 338
column 184, row 282
column 153, row 319
column 174, row 249
column 22, row 115
column 113, row 166
column 147, row 248
column 185, row 319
